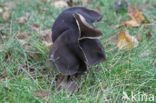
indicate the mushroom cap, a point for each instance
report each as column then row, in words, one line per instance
column 93, row 51
column 66, row 20
column 67, row 54
column 86, row 30
column 75, row 41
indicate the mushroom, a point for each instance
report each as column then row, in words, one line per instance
column 75, row 41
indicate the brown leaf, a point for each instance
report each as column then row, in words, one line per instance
column 46, row 35
column 6, row 15
column 59, row 3
column 139, row 37
column 134, row 13
column 22, row 20
column 35, row 25
column 47, row 44
column 132, row 23
column 136, row 17
column 34, row 54
column 126, row 41
column 148, row 35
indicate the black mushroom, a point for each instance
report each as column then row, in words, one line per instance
column 75, row 41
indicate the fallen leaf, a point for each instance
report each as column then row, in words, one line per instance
column 136, row 17
column 127, row 41
column 46, row 35
column 59, row 3
column 148, row 35
column 34, row 55
column 134, row 13
column 6, row 15
column 22, row 20
column 45, row 38
column 132, row 23
column 139, row 37
column 47, row 44
column 35, row 25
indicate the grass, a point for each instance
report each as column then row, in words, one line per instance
column 22, row 75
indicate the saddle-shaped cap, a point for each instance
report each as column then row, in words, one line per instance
column 76, row 45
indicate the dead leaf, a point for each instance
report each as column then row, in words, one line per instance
column 6, row 15
column 59, row 3
column 136, row 17
column 46, row 35
column 132, row 23
column 35, row 25
column 34, row 54
column 126, row 41
column 148, row 35
column 134, row 13
column 22, row 20
column 139, row 37
column 47, row 44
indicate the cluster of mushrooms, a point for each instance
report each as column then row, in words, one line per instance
column 75, row 41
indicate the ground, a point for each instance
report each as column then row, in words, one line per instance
column 26, row 78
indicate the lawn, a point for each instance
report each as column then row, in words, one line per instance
column 25, row 76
